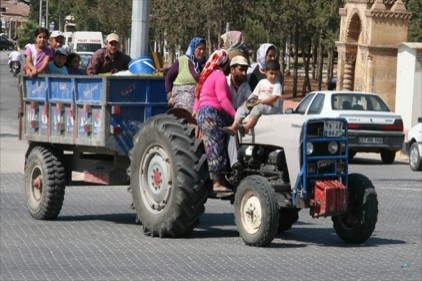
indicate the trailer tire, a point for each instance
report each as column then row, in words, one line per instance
column 358, row 222
column 168, row 171
column 44, row 182
column 256, row 211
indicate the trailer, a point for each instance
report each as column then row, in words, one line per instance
column 118, row 130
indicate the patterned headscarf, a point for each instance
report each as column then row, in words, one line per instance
column 190, row 53
column 217, row 59
column 232, row 39
column 261, row 54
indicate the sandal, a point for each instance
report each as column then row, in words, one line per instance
column 240, row 129
column 227, row 131
column 221, row 191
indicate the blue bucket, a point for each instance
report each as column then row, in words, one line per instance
column 142, row 65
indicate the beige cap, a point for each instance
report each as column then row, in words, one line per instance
column 239, row 60
column 113, row 37
column 56, row 33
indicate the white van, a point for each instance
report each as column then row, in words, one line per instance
column 87, row 41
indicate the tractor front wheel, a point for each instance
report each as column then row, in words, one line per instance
column 256, row 211
column 358, row 222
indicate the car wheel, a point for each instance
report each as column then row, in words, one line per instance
column 415, row 158
column 388, row 156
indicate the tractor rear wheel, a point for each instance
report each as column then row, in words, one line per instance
column 256, row 211
column 168, row 171
column 358, row 222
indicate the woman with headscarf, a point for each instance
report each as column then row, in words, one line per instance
column 234, row 44
column 266, row 52
column 214, row 111
column 183, row 75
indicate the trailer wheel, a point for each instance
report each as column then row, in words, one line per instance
column 168, row 171
column 388, row 156
column 288, row 216
column 256, row 211
column 415, row 158
column 358, row 222
column 44, row 183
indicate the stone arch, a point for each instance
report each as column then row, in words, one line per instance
column 354, row 32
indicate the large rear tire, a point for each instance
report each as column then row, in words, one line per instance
column 358, row 222
column 168, row 171
column 44, row 183
column 256, row 211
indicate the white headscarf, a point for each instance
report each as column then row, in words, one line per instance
column 261, row 54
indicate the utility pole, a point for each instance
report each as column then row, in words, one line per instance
column 40, row 19
column 140, row 28
column 46, row 14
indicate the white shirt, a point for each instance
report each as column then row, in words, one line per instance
column 15, row 56
column 266, row 89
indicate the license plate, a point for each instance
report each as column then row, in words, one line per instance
column 370, row 140
column 332, row 128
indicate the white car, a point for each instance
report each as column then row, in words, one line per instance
column 413, row 146
column 372, row 127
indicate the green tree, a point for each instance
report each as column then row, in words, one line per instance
column 415, row 24
column 26, row 33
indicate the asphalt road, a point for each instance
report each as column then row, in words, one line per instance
column 95, row 236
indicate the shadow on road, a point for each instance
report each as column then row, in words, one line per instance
column 124, row 218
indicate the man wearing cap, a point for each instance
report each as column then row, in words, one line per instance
column 56, row 39
column 241, row 91
column 57, row 66
column 109, row 59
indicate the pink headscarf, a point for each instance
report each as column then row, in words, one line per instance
column 217, row 59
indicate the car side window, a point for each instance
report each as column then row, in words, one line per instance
column 303, row 105
column 316, row 105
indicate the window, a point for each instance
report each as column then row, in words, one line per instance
column 317, row 104
column 304, row 104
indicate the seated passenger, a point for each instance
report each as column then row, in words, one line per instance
column 265, row 99
column 73, row 63
column 38, row 55
column 57, row 66
column 109, row 59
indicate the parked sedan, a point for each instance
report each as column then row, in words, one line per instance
column 413, row 146
column 372, row 127
column 5, row 44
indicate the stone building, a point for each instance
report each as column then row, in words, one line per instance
column 13, row 14
column 370, row 33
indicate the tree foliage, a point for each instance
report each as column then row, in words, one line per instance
column 304, row 27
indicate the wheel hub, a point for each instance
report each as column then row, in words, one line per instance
column 155, row 179
column 251, row 213
column 36, row 183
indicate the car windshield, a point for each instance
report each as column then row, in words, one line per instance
column 88, row 47
column 356, row 101
column 85, row 58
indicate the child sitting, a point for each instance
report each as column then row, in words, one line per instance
column 265, row 100
column 57, row 66
column 38, row 55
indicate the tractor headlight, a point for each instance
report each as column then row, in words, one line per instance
column 309, row 148
column 333, row 147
